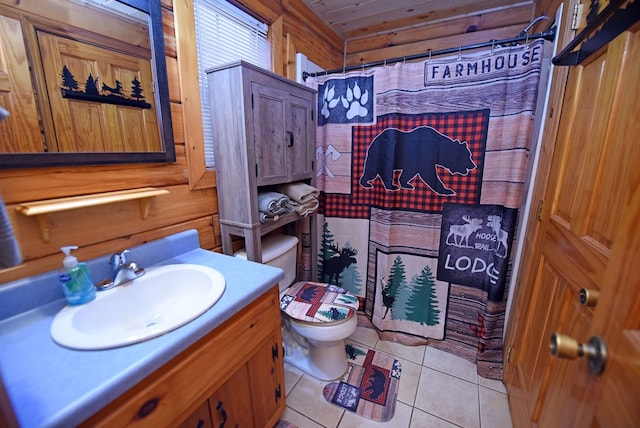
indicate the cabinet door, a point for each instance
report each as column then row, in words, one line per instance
column 231, row 404
column 266, row 370
column 301, row 138
column 102, row 100
column 20, row 133
column 270, row 134
column 201, row 418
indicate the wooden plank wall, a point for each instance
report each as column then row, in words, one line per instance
column 439, row 33
column 192, row 201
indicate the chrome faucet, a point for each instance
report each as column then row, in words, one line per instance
column 122, row 271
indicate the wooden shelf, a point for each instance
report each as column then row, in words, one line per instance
column 42, row 209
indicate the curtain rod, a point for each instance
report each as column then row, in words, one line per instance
column 549, row 35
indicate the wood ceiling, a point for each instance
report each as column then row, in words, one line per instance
column 353, row 19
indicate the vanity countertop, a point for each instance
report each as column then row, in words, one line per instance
column 49, row 385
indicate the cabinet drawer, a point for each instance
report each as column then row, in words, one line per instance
column 173, row 392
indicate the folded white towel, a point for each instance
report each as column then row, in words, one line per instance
column 274, row 203
column 299, row 192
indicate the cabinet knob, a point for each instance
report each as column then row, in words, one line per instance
column 563, row 346
column 588, row 297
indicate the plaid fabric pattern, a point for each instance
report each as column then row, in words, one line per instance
column 469, row 126
column 370, row 387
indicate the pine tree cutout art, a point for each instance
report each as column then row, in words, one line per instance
column 106, row 94
column 136, row 89
column 91, row 86
column 68, row 81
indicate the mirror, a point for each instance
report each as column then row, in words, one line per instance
column 127, row 104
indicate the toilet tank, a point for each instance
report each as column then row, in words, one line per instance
column 278, row 251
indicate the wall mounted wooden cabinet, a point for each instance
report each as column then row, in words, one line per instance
column 264, row 135
column 281, row 133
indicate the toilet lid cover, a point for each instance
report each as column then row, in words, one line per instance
column 318, row 302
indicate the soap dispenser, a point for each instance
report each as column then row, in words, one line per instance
column 77, row 284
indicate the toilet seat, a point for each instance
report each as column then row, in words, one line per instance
column 318, row 303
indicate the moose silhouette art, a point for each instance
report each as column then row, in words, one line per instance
column 339, row 262
column 495, row 222
column 461, row 232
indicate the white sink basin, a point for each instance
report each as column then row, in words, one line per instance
column 161, row 300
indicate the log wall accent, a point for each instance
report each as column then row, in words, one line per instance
column 436, row 34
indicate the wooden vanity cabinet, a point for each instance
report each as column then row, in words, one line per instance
column 264, row 135
column 234, row 375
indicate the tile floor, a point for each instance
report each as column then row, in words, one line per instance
column 437, row 389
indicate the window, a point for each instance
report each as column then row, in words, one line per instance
column 224, row 33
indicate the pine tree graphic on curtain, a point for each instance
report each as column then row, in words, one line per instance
column 393, row 289
column 422, row 306
column 415, row 301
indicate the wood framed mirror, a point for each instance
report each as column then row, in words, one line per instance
column 79, row 92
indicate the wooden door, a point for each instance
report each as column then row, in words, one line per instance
column 302, row 128
column 590, row 230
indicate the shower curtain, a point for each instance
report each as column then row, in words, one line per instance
column 422, row 168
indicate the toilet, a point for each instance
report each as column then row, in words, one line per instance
column 316, row 317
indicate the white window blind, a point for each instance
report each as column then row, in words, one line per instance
column 225, row 33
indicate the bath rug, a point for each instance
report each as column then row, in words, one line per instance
column 370, row 387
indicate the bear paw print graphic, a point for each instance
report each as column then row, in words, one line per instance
column 328, row 101
column 355, row 102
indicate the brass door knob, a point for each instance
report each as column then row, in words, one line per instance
column 563, row 346
column 588, row 297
